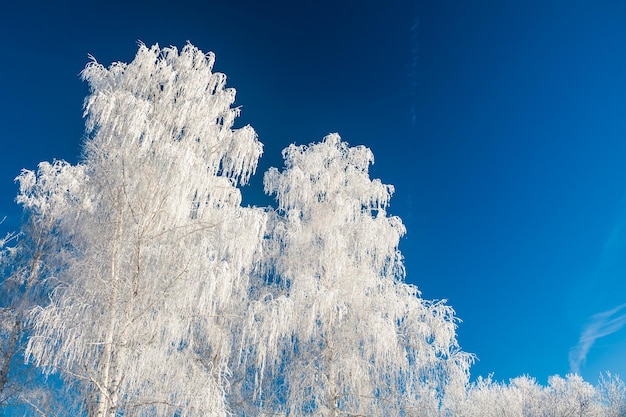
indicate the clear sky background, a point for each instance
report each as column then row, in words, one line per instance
column 502, row 125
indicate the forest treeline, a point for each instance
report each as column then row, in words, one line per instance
column 139, row 285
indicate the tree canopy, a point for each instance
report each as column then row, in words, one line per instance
column 143, row 284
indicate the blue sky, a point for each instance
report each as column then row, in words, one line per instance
column 501, row 124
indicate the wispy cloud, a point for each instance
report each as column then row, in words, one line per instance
column 600, row 325
column 608, row 274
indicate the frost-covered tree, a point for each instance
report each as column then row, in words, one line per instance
column 571, row 396
column 612, row 392
column 156, row 246
column 27, row 262
column 14, row 304
column 523, row 397
column 140, row 280
column 11, row 320
column 347, row 335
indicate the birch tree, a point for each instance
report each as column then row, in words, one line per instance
column 354, row 339
column 612, row 392
column 571, row 396
column 523, row 397
column 140, row 280
column 14, row 302
column 11, row 319
column 157, row 245
column 27, row 263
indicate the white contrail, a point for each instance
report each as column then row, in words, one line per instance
column 600, row 325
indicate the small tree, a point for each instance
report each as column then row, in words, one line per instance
column 27, row 265
column 350, row 337
column 523, row 397
column 613, row 395
column 156, row 245
column 570, row 396
column 12, row 307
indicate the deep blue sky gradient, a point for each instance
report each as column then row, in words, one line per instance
column 501, row 124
